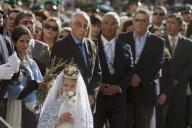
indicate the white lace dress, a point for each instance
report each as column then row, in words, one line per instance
column 68, row 106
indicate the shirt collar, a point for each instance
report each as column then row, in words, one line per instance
column 143, row 37
column 106, row 42
column 176, row 37
column 76, row 40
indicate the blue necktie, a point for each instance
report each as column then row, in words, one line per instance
column 83, row 51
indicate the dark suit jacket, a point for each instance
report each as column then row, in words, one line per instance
column 167, row 81
column 182, row 62
column 67, row 49
column 147, row 68
column 182, row 70
column 123, row 65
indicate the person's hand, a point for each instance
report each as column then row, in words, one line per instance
column 6, row 72
column 31, row 86
column 46, row 86
column 135, row 81
column 66, row 117
column 109, row 90
column 162, row 98
column 104, row 88
column 113, row 89
column 14, row 62
column 175, row 82
column 91, row 100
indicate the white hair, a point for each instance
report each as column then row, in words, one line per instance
column 115, row 15
column 80, row 13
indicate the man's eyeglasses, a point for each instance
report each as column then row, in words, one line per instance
column 140, row 20
column 54, row 28
column 159, row 14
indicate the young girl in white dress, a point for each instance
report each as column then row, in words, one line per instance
column 67, row 104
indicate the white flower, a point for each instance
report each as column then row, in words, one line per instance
column 66, row 95
column 70, row 94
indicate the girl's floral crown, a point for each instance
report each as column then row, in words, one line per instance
column 71, row 71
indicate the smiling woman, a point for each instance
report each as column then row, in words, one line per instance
column 50, row 31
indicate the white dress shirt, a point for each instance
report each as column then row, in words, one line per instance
column 109, row 47
column 139, row 45
column 171, row 42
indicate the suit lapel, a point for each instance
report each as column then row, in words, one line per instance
column 146, row 48
column 178, row 48
column 76, row 53
column 132, row 45
column 116, row 57
column 89, row 53
column 86, row 47
column 168, row 45
column 102, row 57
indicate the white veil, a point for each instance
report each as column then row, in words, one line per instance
column 48, row 116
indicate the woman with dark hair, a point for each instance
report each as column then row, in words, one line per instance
column 22, row 95
column 127, row 25
column 95, row 26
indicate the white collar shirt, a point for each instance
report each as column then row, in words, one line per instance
column 109, row 47
column 139, row 45
column 176, row 39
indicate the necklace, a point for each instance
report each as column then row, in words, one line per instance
column 110, row 63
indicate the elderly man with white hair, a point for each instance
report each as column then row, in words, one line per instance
column 82, row 50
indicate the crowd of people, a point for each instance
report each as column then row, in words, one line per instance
column 120, row 70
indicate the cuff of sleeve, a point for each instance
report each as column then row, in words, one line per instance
column 120, row 90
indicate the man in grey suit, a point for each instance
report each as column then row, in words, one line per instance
column 180, row 48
